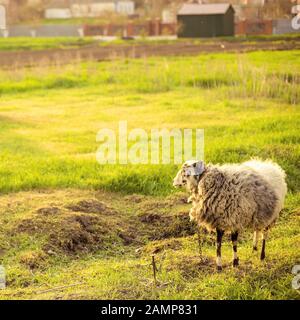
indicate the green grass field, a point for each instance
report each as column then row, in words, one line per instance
column 248, row 105
column 42, row 43
column 26, row 43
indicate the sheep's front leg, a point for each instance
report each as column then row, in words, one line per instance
column 220, row 234
column 255, row 240
column 234, row 237
column 192, row 214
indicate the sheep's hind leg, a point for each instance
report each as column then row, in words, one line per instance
column 220, row 234
column 234, row 237
column 263, row 248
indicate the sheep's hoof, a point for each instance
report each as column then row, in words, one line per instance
column 219, row 268
column 262, row 256
column 255, row 248
column 235, row 262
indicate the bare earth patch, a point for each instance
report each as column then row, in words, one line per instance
column 48, row 211
column 72, row 226
column 110, row 52
column 90, row 206
column 106, row 242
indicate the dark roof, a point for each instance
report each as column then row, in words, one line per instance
column 203, row 9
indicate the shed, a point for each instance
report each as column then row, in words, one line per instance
column 205, row 20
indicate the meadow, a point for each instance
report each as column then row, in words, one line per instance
column 248, row 105
column 40, row 43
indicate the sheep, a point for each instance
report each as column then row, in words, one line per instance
column 192, row 168
column 233, row 197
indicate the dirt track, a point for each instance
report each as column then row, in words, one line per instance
column 97, row 53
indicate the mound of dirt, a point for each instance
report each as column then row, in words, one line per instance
column 89, row 225
column 77, row 232
column 167, row 226
column 150, row 217
column 90, row 206
column 48, row 210
column 135, row 198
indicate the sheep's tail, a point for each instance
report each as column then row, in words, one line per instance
column 273, row 174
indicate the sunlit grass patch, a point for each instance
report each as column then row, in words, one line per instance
column 64, row 232
column 50, row 116
column 121, row 268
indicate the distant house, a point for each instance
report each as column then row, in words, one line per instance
column 58, row 9
column 92, row 8
column 205, row 20
column 3, row 15
column 125, row 7
column 64, row 9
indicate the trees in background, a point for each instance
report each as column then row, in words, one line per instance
column 26, row 10
column 277, row 9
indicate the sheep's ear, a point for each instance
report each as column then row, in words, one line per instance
column 199, row 167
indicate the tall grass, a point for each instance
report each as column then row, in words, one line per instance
column 239, row 77
column 49, row 116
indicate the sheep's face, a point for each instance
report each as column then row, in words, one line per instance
column 188, row 174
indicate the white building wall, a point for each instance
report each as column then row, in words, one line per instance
column 58, row 13
column 2, row 18
column 79, row 10
column 97, row 9
column 125, row 7
column 91, row 10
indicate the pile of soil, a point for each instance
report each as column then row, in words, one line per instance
column 83, row 227
column 89, row 225
column 90, row 206
column 163, row 226
column 48, row 211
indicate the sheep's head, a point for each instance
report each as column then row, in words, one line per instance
column 189, row 174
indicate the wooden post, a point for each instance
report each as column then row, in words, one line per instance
column 154, row 269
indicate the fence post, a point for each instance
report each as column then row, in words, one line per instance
column 157, row 27
column 149, row 27
column 130, row 31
